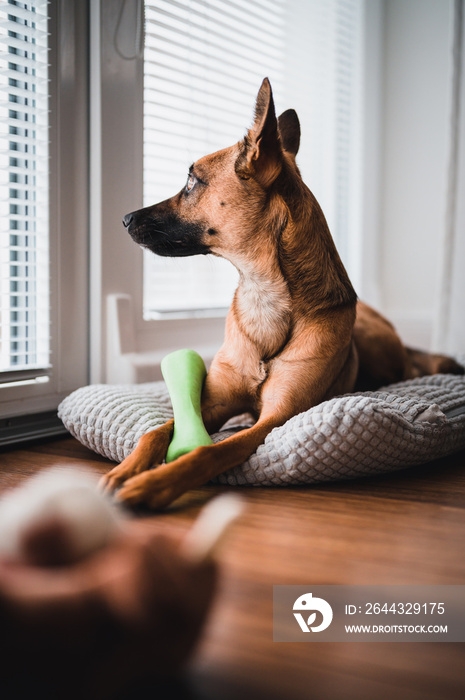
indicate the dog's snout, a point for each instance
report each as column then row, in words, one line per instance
column 127, row 220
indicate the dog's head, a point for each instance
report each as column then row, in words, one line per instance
column 227, row 198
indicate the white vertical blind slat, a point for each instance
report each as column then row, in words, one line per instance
column 24, row 247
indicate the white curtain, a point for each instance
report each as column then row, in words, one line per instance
column 449, row 331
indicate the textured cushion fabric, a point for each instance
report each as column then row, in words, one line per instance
column 349, row 436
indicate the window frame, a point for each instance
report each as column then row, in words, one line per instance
column 68, row 27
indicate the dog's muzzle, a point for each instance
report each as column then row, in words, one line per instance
column 165, row 233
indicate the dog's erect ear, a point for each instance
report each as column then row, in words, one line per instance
column 261, row 157
column 289, row 131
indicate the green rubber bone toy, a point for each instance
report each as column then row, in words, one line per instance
column 184, row 373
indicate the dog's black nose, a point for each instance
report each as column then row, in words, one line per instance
column 127, row 220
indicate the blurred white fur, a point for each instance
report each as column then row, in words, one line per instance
column 70, row 496
column 209, row 530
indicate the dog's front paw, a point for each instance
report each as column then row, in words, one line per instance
column 149, row 488
column 111, row 481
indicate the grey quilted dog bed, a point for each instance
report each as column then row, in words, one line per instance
column 346, row 437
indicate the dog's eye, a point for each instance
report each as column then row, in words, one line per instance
column 191, row 180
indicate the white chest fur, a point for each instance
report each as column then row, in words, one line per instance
column 263, row 303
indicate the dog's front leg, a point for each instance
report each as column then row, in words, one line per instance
column 151, row 449
column 220, row 402
column 157, row 488
column 292, row 387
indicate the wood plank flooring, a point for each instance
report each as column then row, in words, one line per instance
column 404, row 528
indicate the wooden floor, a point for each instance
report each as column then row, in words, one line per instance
column 406, row 528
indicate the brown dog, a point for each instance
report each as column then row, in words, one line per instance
column 295, row 334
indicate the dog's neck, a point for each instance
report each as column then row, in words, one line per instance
column 262, row 303
column 292, row 272
column 317, row 279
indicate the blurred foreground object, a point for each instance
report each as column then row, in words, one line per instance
column 56, row 517
column 91, row 624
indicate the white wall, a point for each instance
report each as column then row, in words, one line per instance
column 449, row 328
column 416, row 98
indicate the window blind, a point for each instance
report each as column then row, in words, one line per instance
column 331, row 37
column 203, row 64
column 24, row 248
column 204, row 61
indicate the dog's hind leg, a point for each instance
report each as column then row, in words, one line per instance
column 425, row 363
column 384, row 359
